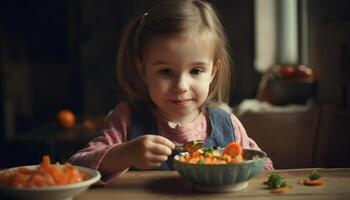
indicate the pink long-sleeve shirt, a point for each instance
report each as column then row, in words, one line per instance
column 116, row 129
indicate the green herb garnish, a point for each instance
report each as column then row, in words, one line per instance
column 275, row 181
column 314, row 175
column 207, row 151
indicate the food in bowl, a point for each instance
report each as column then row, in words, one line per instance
column 69, row 182
column 210, row 156
column 228, row 169
column 46, row 174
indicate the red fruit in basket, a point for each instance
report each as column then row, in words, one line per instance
column 303, row 72
column 291, row 72
column 66, row 118
column 287, row 71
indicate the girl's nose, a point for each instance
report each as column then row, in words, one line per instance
column 181, row 85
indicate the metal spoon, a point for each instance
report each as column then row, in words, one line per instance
column 190, row 146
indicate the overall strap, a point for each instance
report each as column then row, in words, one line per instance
column 222, row 132
column 143, row 122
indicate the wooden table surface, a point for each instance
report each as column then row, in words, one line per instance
column 170, row 185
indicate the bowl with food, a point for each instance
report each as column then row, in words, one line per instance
column 221, row 169
column 46, row 181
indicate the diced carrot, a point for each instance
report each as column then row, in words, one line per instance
column 23, row 170
column 315, row 182
column 195, row 154
column 227, row 158
column 46, row 174
column 7, row 177
column 220, row 161
column 233, row 149
column 187, row 157
column 280, row 190
column 74, row 176
column 56, row 172
column 232, row 154
column 46, row 162
column 234, row 161
column 20, row 180
column 38, row 180
column 63, row 180
column 208, row 160
column 182, row 159
column 194, row 160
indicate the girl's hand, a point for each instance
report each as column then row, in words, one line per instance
column 149, row 151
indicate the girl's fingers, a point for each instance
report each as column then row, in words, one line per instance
column 160, row 149
column 163, row 140
column 158, row 158
column 152, row 161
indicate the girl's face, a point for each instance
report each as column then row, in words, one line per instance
column 178, row 72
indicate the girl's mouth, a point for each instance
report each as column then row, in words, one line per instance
column 181, row 102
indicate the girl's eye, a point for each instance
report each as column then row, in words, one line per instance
column 165, row 72
column 196, row 71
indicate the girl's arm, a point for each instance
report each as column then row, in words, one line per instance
column 112, row 154
column 114, row 135
column 247, row 142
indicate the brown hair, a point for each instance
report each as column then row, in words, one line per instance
column 172, row 17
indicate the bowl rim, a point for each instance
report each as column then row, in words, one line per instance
column 93, row 177
column 228, row 164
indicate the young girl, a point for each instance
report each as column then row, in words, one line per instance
column 174, row 65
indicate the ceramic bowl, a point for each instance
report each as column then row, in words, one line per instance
column 222, row 177
column 63, row 192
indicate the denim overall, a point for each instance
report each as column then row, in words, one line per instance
column 142, row 122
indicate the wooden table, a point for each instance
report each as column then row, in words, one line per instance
column 170, row 185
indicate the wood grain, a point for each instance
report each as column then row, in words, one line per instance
column 170, row 185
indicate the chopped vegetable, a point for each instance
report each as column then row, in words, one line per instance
column 207, row 151
column 233, row 149
column 275, row 181
column 315, row 175
column 277, row 184
column 314, row 179
column 231, row 154
column 46, row 174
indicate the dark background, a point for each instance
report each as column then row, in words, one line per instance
column 57, row 54
column 60, row 54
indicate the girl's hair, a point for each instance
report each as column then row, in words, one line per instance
column 173, row 17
